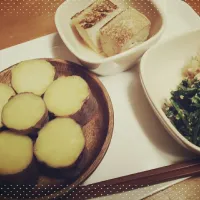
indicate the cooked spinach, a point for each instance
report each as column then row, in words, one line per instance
column 183, row 109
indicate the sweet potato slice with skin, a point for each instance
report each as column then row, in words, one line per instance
column 71, row 97
column 17, row 161
column 5, row 93
column 24, row 113
column 69, row 173
column 60, row 143
column 32, row 76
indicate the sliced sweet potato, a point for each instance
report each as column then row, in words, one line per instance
column 71, row 97
column 16, row 158
column 68, row 173
column 32, row 76
column 24, row 113
column 60, row 143
column 5, row 93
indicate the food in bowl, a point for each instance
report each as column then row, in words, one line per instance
column 89, row 21
column 192, row 68
column 16, row 158
column 6, row 92
column 124, row 31
column 110, row 28
column 32, row 76
column 24, row 113
column 56, row 124
column 70, row 96
column 60, row 143
column 183, row 107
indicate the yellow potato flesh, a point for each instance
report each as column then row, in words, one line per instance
column 59, row 143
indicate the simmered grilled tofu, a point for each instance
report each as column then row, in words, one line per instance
column 124, row 31
column 89, row 21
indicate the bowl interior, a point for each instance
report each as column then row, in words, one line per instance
column 161, row 70
column 73, row 40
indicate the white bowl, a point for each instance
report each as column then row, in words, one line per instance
column 97, row 63
column 160, row 73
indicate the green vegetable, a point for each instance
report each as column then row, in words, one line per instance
column 183, row 109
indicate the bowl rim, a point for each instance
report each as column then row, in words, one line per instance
column 161, row 116
column 117, row 56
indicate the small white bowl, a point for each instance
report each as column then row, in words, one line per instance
column 160, row 73
column 93, row 61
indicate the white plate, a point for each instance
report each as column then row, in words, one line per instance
column 137, row 130
column 160, row 73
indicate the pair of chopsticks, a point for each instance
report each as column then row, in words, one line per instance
column 138, row 180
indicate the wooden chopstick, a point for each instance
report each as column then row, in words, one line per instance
column 138, row 180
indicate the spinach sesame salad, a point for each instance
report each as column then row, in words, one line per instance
column 183, row 107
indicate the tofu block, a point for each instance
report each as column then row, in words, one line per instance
column 89, row 21
column 124, row 31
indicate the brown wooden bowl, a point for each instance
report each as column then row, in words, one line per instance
column 98, row 134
